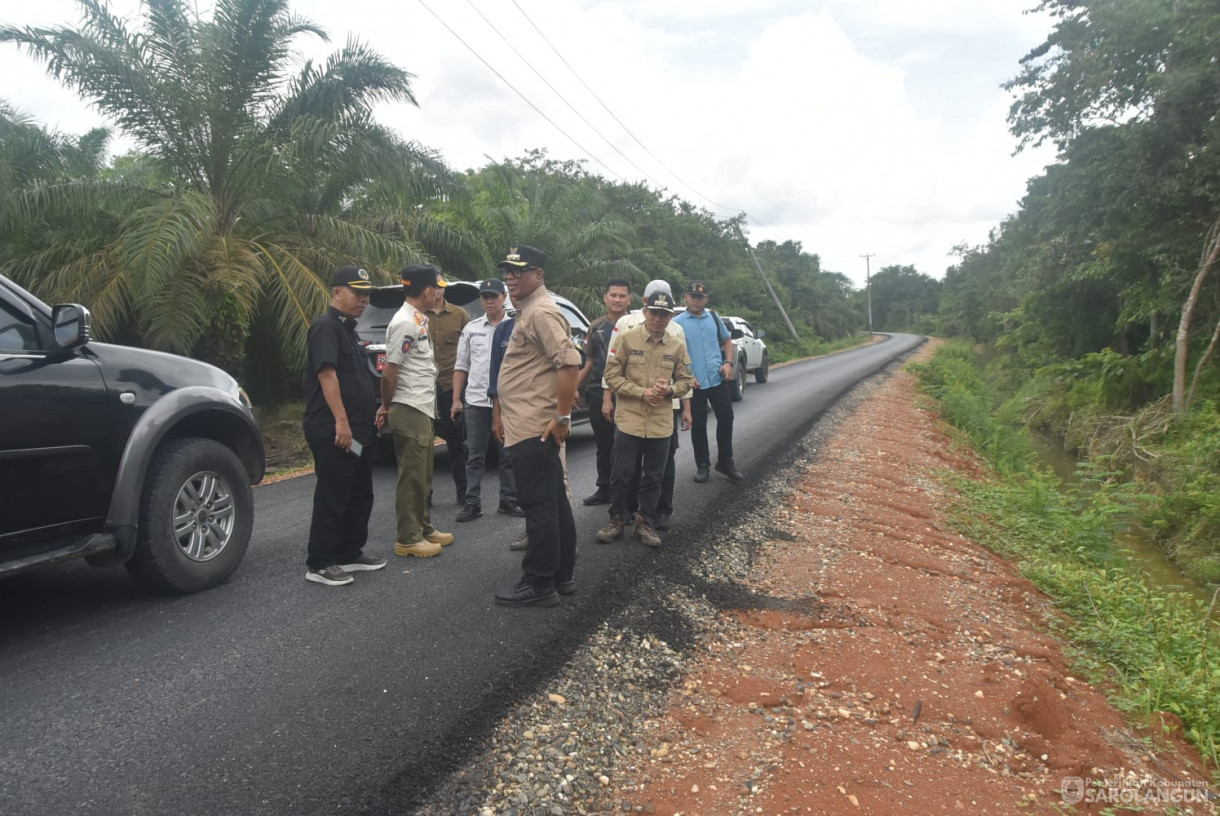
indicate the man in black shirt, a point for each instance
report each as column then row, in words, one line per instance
column 617, row 298
column 339, row 426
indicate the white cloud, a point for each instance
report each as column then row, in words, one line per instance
column 853, row 126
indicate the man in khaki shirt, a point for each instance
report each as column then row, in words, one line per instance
column 646, row 369
column 445, row 324
column 537, row 384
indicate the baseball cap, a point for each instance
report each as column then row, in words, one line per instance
column 660, row 302
column 523, row 257
column 697, row 287
column 657, row 286
column 353, row 277
column 421, row 276
column 493, row 286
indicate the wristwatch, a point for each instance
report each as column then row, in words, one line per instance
column 566, row 419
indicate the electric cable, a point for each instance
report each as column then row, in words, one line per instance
column 518, row 93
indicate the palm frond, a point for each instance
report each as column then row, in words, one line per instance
column 158, row 240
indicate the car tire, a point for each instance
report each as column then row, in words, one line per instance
column 763, row 371
column 737, row 385
column 200, row 479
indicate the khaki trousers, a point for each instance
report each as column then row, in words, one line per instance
column 413, row 434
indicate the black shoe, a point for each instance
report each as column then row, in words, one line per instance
column 701, row 473
column 470, row 512
column 600, row 497
column 729, row 469
column 524, row 594
column 662, row 522
column 511, row 509
column 565, row 587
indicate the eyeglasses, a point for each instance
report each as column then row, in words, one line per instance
column 512, row 272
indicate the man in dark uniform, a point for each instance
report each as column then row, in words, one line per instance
column 339, row 417
column 537, row 385
column 617, row 298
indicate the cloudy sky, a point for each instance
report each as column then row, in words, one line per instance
column 852, row 126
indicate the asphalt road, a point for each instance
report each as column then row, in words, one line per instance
column 272, row 695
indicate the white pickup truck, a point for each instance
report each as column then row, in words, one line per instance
column 751, row 355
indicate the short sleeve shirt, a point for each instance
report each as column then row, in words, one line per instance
column 636, row 362
column 705, row 335
column 332, row 341
column 474, row 357
column 408, row 345
column 541, row 344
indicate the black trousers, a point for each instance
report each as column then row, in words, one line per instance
column 549, row 525
column 454, row 434
column 603, row 435
column 722, row 406
column 665, row 504
column 342, row 503
column 649, row 457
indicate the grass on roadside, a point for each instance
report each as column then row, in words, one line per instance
column 1156, row 648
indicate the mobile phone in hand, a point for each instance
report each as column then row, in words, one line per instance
column 356, row 448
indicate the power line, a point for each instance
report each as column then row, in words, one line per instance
column 518, row 93
column 620, row 122
column 571, row 107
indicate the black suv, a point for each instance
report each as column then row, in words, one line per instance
column 119, row 455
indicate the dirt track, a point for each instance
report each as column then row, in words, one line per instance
column 913, row 674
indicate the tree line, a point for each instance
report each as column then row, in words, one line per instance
column 255, row 176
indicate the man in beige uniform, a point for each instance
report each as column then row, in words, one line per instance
column 537, row 384
column 646, row 369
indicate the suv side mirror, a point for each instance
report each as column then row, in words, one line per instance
column 71, row 323
column 737, row 334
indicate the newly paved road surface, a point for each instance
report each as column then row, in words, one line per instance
column 271, row 695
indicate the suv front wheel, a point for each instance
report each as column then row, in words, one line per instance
column 195, row 518
column 737, row 385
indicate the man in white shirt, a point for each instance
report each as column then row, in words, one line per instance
column 472, row 371
column 408, row 404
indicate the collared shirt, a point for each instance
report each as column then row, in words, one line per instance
column 540, row 345
column 408, row 345
column 332, row 341
column 474, row 357
column 705, row 336
column 445, row 327
column 636, row 361
column 636, row 318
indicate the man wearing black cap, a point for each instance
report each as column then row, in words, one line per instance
column 408, row 404
column 712, row 359
column 536, row 388
column 339, row 426
column 646, row 369
column 472, row 372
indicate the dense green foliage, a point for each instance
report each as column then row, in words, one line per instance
column 256, row 175
column 1156, row 646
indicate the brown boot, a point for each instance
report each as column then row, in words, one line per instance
column 645, row 532
column 612, row 530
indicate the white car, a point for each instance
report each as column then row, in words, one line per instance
column 751, row 355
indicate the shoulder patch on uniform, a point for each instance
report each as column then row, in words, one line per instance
column 407, row 342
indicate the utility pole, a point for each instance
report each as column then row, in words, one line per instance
column 868, row 291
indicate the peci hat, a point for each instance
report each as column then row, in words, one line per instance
column 420, row 276
column 523, row 257
column 492, row 286
column 659, row 302
column 697, row 287
column 353, row 277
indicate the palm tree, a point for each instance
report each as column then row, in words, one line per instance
column 563, row 212
column 262, row 160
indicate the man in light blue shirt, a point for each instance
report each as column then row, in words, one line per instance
column 711, row 353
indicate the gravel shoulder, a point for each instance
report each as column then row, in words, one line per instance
column 838, row 650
